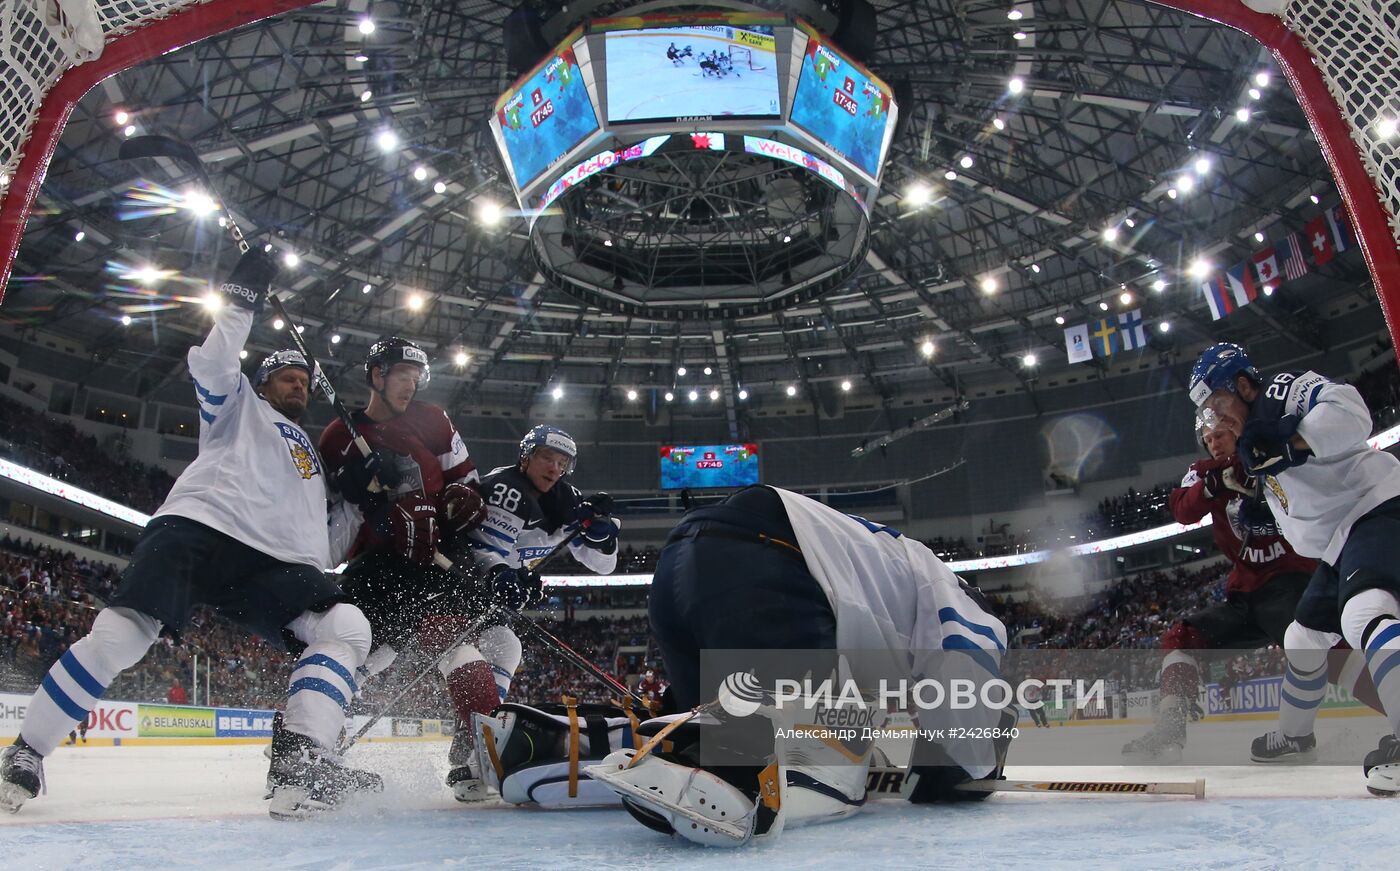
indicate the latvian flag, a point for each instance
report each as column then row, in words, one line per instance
column 1218, row 297
column 1241, row 284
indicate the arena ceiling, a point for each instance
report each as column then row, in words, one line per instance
column 1118, row 102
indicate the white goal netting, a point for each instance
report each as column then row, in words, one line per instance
column 742, row 56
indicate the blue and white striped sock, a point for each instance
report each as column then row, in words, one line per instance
column 73, row 687
column 1305, row 679
column 322, row 686
column 1383, row 658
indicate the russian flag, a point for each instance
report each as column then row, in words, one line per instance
column 1217, row 294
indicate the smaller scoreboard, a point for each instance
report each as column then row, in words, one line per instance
column 708, row 466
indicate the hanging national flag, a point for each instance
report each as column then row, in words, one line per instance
column 1077, row 343
column 1319, row 238
column 1131, row 331
column 1217, row 294
column 1241, row 284
column 1106, row 337
column 1342, row 239
column 1266, row 265
column 1291, row 261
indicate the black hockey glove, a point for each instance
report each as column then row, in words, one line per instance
column 599, row 529
column 363, row 478
column 1224, row 478
column 1266, row 447
column 247, row 285
column 1256, row 519
column 516, row 589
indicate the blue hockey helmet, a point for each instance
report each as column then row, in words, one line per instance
column 546, row 436
column 281, row 360
column 1216, row 369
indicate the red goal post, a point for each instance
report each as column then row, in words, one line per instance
column 1338, row 55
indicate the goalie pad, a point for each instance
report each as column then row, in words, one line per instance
column 538, row 755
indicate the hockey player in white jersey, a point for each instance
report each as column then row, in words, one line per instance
column 773, row 570
column 530, row 507
column 1334, row 498
column 244, row 531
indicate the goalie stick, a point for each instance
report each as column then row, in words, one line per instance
column 890, row 783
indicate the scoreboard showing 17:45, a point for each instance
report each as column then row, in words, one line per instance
column 708, row 466
column 546, row 116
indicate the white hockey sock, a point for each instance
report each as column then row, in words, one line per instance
column 500, row 647
column 72, row 688
column 1305, row 679
column 323, row 682
column 1371, row 616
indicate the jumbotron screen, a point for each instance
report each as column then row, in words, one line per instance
column 697, row 467
column 546, row 116
column 841, row 105
column 710, row 72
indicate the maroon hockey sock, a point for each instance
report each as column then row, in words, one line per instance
column 473, row 690
column 1180, row 679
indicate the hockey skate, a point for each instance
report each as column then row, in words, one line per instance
column 1165, row 741
column 465, row 776
column 21, row 775
column 1382, row 768
column 307, row 779
column 1278, row 747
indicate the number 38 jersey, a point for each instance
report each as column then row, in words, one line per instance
column 522, row 525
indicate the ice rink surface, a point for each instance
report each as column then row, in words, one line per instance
column 201, row 807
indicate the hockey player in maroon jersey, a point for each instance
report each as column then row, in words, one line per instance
column 651, row 687
column 428, row 500
column 1261, row 593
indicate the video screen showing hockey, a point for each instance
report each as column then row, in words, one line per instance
column 703, row 467
column 845, row 434
column 841, row 106
column 546, row 116
column 714, row 72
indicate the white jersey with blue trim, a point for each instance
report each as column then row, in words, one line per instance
column 1316, row 503
column 517, row 531
column 891, row 593
column 257, row 477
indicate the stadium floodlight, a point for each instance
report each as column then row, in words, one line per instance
column 1028, row 361
column 1159, row 285
column 693, row 395
column 989, row 285
column 845, row 386
column 927, row 348
column 1199, row 268
column 420, row 173
column 415, row 301
column 366, row 25
column 462, row 358
column 387, row 140
column 670, row 396
column 557, row 392
column 791, row 390
column 743, row 394
column 290, row 259
column 631, row 396
column 440, row 187
column 1016, row 85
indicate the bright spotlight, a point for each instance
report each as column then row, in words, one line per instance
column 557, row 393
column 420, row 173
column 126, row 320
column 631, row 396
column 989, row 285
column 1314, row 200
column 490, row 213
column 440, row 187
column 1164, row 326
column 1130, row 223
column 1019, row 35
column 1103, row 306
column 680, row 371
column 926, row 348
column 415, row 301
column 714, row 394
column 243, row 354
column 121, row 118
column 966, row 161
column 918, row 194
column 670, row 396
column 366, row 95
column 1255, row 93
column 1015, row 15
column 998, row 123
column 1028, row 360
column 1060, row 319
column 1199, row 269
column 1202, row 165
column 1385, row 128
column 693, row 395
column 951, row 175
column 291, row 259
column 791, row 390
column 743, row 394
column 387, row 140
column 845, row 387
column 1035, row 267
column 129, row 131
column 1185, row 184
column 1159, row 285
column 1242, row 114
column 461, row 358
column 79, row 236
column 1016, row 85
column 367, row 25
column 278, row 324
column 1258, row 237
column 367, row 288
column 1171, row 193
column 1261, row 79
column 213, row 301
column 1110, row 234
column 1125, row 298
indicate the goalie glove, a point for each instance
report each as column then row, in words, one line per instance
column 516, row 588
column 461, row 509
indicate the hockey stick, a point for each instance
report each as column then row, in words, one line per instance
column 157, row 146
column 494, row 615
column 890, row 783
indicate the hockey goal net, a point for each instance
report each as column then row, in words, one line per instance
column 1339, row 55
column 742, row 56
